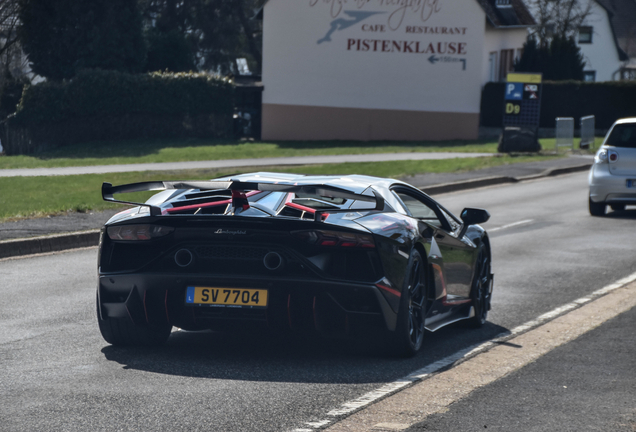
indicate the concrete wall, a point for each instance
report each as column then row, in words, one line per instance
column 372, row 70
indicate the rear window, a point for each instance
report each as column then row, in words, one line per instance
column 623, row 135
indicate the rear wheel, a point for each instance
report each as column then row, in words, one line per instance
column 618, row 207
column 481, row 290
column 123, row 332
column 409, row 332
column 596, row 209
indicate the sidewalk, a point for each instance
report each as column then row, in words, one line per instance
column 585, row 385
column 431, row 183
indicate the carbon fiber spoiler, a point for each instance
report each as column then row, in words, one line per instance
column 238, row 188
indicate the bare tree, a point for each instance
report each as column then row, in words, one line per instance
column 558, row 18
column 11, row 58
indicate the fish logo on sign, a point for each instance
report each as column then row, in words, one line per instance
column 343, row 23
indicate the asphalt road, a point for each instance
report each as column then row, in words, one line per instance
column 58, row 374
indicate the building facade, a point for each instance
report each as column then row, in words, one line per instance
column 383, row 69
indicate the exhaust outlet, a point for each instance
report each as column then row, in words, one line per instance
column 183, row 257
column 273, row 261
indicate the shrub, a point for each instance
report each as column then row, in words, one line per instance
column 104, row 105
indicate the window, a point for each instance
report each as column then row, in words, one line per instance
column 492, row 65
column 506, row 63
column 589, row 76
column 585, row 35
column 623, row 135
column 420, row 209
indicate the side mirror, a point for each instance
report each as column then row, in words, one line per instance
column 472, row 216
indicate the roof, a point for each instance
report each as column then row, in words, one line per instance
column 622, row 16
column 513, row 14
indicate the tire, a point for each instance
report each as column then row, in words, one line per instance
column 597, row 209
column 481, row 293
column 123, row 332
column 409, row 332
column 617, row 207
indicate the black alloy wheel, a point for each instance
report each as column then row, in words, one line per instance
column 410, row 330
column 481, row 290
column 596, row 209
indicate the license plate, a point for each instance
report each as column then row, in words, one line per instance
column 631, row 183
column 233, row 297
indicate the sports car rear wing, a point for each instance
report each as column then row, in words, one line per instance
column 238, row 190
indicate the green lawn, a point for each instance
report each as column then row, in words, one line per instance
column 39, row 196
column 127, row 152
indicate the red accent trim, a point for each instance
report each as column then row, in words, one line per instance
column 196, row 206
column 300, row 207
column 240, row 197
column 389, row 290
column 438, row 269
column 455, row 303
column 212, row 204
column 314, row 312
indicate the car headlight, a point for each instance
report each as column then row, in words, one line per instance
column 138, row 232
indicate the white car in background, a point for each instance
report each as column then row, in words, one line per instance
column 612, row 178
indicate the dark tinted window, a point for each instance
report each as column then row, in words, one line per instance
column 623, row 135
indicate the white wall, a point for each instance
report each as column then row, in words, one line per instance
column 601, row 55
column 342, row 73
column 499, row 39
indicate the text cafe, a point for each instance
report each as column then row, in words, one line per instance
column 384, row 69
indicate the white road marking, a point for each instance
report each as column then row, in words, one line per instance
column 523, row 222
column 391, row 388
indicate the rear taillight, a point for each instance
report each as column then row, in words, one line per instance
column 613, row 156
column 335, row 238
column 138, row 232
column 604, row 156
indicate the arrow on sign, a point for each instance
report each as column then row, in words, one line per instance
column 433, row 59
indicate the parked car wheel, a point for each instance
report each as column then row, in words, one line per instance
column 597, row 209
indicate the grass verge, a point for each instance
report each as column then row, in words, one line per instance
column 40, row 196
column 127, row 152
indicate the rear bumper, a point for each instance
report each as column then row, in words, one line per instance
column 325, row 306
column 610, row 188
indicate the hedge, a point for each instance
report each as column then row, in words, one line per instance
column 103, row 105
column 607, row 101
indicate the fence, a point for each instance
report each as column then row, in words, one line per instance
column 564, row 132
column 587, row 132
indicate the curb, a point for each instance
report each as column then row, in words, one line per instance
column 73, row 240
column 53, row 243
column 496, row 180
